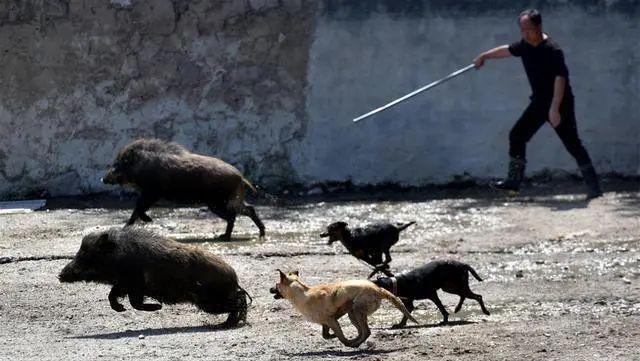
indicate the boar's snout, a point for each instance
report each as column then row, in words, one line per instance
column 111, row 177
column 69, row 273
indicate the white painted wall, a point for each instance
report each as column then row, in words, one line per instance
column 356, row 65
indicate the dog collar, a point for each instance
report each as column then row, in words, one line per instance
column 394, row 286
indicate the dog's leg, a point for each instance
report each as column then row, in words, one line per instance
column 326, row 334
column 434, row 297
column 478, row 298
column 409, row 305
column 459, row 306
column 358, row 317
column 387, row 257
column 337, row 330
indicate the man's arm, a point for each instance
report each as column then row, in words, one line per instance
column 558, row 93
column 501, row 51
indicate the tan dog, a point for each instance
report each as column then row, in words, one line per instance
column 325, row 304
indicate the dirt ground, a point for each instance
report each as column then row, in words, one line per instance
column 560, row 278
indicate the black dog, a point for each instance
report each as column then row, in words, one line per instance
column 422, row 283
column 368, row 243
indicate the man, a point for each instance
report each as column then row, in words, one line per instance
column 551, row 100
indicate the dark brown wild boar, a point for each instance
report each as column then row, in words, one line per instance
column 165, row 170
column 139, row 263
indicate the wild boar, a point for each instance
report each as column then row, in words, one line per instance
column 139, row 263
column 166, row 170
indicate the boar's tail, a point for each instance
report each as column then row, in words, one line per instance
column 253, row 188
column 473, row 272
column 243, row 291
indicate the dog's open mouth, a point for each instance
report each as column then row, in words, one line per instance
column 276, row 294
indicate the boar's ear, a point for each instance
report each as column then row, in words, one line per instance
column 105, row 244
column 127, row 157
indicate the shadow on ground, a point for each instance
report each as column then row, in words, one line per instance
column 155, row 332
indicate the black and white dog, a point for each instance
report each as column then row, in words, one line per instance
column 423, row 282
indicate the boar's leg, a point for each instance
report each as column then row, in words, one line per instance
column 142, row 204
column 226, row 214
column 238, row 310
column 116, row 292
column 137, row 301
column 231, row 220
column 250, row 212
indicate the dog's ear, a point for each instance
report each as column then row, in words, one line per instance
column 342, row 224
column 283, row 277
column 296, row 273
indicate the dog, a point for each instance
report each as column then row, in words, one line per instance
column 423, row 282
column 325, row 304
column 368, row 243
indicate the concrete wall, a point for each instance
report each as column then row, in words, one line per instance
column 81, row 79
column 272, row 85
column 366, row 54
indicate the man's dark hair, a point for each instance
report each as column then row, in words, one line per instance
column 533, row 14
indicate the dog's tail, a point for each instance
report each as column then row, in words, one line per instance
column 473, row 272
column 396, row 302
column 402, row 227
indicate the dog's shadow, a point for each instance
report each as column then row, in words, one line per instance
column 345, row 353
column 432, row 325
column 155, row 332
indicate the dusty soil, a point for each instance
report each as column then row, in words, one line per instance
column 561, row 278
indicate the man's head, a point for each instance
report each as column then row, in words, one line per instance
column 530, row 22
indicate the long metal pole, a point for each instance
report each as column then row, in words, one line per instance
column 415, row 92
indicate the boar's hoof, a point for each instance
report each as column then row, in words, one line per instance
column 232, row 321
column 225, row 237
column 118, row 307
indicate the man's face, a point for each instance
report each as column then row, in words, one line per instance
column 531, row 33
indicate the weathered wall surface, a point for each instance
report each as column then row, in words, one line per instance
column 80, row 79
column 368, row 53
column 272, row 85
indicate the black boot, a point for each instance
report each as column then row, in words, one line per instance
column 514, row 177
column 591, row 180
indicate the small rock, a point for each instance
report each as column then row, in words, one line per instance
column 626, row 280
column 141, row 337
column 519, row 274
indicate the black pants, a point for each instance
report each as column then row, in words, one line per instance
column 536, row 114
